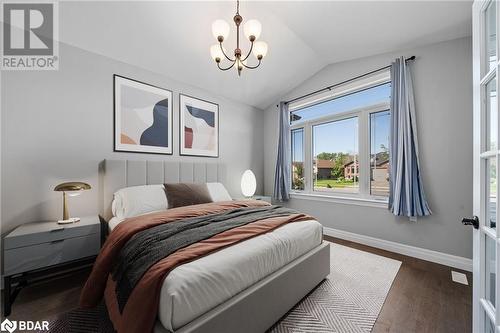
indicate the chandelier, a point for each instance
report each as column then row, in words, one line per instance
column 251, row 29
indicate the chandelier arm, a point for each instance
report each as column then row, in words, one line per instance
column 252, row 67
column 224, row 53
column 249, row 52
column 238, row 60
column 227, row 68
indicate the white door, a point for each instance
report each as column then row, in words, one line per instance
column 486, row 317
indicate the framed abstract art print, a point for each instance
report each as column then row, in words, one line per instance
column 143, row 117
column 199, row 127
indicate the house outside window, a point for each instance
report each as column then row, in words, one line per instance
column 340, row 140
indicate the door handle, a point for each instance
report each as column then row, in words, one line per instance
column 471, row 221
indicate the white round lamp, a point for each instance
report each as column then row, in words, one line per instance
column 248, row 183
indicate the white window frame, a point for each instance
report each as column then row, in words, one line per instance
column 363, row 197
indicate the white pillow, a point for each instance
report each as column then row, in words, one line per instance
column 218, row 192
column 137, row 200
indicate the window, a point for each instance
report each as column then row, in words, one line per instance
column 379, row 153
column 375, row 95
column 336, row 156
column 491, row 38
column 340, row 144
column 298, row 159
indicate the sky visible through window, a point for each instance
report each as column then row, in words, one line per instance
column 338, row 136
column 379, row 131
column 342, row 139
column 297, row 143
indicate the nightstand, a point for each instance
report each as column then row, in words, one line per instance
column 263, row 198
column 36, row 250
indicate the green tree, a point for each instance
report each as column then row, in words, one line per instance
column 300, row 170
column 298, row 177
column 338, row 159
column 384, row 154
column 326, row 156
column 338, row 165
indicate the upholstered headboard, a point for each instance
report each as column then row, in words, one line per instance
column 117, row 174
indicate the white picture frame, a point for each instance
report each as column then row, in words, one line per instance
column 198, row 127
column 143, row 121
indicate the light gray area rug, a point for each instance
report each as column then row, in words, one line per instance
column 349, row 300
column 351, row 297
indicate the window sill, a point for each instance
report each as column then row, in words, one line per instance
column 382, row 203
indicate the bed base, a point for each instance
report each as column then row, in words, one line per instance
column 259, row 307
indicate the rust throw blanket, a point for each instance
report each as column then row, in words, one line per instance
column 140, row 311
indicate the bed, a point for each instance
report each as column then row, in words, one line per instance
column 246, row 287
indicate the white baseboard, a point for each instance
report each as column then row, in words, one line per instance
column 408, row 250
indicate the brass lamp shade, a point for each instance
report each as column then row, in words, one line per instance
column 70, row 187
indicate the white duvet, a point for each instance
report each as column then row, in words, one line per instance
column 192, row 289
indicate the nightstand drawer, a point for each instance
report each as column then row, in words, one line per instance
column 32, row 257
column 46, row 232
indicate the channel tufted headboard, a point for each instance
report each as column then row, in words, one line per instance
column 117, row 174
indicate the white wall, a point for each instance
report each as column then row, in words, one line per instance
column 58, row 125
column 443, row 93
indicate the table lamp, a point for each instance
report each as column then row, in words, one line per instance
column 74, row 189
column 248, row 184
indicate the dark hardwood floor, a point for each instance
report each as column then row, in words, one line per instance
column 422, row 298
column 45, row 300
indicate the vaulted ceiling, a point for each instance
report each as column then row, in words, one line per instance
column 173, row 38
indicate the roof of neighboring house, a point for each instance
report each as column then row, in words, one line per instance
column 349, row 163
column 379, row 163
column 381, row 160
column 324, row 164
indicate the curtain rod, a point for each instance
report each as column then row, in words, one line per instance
column 341, row 83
